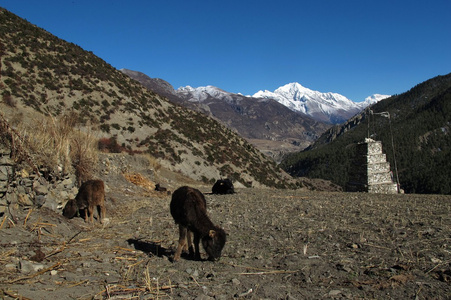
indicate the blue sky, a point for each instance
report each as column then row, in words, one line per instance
column 355, row 48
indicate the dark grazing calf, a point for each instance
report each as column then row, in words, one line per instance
column 189, row 210
column 223, row 187
column 91, row 194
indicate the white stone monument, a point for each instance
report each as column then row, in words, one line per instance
column 370, row 172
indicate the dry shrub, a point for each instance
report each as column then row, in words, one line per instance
column 139, row 180
column 56, row 144
column 110, row 145
column 153, row 163
column 47, row 141
column 8, row 99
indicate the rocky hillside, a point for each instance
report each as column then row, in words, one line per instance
column 42, row 75
column 270, row 126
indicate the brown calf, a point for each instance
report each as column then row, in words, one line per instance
column 189, row 210
column 91, row 194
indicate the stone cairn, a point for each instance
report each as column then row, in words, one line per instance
column 370, row 170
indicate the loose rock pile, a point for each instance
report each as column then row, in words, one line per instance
column 21, row 188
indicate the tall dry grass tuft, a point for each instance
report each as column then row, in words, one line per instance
column 59, row 146
column 83, row 155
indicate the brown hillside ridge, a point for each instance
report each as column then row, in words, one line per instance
column 43, row 76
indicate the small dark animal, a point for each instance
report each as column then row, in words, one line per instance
column 189, row 210
column 223, row 187
column 91, row 194
column 159, row 188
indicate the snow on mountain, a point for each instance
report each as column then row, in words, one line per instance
column 202, row 93
column 372, row 99
column 299, row 98
column 327, row 107
column 324, row 107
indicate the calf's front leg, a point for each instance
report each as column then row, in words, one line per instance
column 196, row 246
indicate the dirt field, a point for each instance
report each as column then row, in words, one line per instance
column 281, row 245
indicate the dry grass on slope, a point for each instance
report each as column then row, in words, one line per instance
column 50, row 143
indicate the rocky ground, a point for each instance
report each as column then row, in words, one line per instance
column 281, row 245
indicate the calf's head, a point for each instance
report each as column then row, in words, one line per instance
column 71, row 209
column 214, row 242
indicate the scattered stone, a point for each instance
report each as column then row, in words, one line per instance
column 39, row 200
column 71, row 277
column 333, row 293
column 24, row 173
column 27, row 267
column 24, row 200
column 10, row 266
column 67, row 183
column 41, row 189
column 195, row 273
column 11, row 198
column 203, row 297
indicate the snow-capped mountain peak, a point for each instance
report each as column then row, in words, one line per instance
column 374, row 99
column 327, row 107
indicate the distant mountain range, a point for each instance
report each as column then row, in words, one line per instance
column 331, row 108
column 286, row 120
column 269, row 125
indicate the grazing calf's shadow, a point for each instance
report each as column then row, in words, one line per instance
column 151, row 248
column 155, row 249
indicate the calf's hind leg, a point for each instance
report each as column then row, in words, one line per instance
column 190, row 243
column 183, row 232
column 101, row 213
column 91, row 213
column 85, row 211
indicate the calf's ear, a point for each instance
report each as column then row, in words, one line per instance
column 212, row 233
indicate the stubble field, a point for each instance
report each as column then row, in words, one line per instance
column 281, row 244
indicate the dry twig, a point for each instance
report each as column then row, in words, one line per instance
column 14, row 295
column 117, row 290
column 63, row 246
column 269, row 272
column 26, row 218
column 4, row 219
